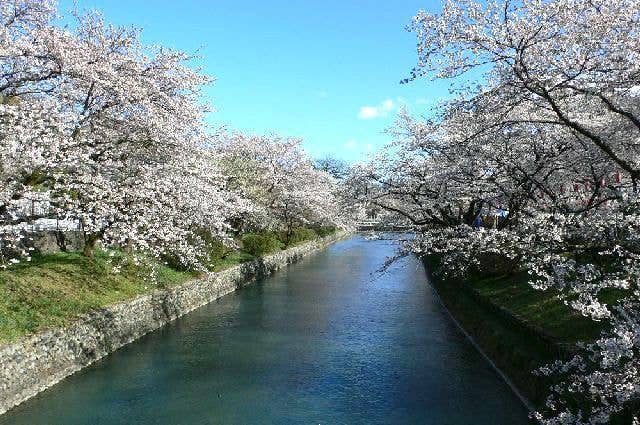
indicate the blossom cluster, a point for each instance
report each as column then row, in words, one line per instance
column 536, row 163
column 101, row 131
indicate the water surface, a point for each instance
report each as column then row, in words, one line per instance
column 326, row 341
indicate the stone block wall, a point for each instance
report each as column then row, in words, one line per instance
column 37, row 362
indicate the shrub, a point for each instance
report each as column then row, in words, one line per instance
column 173, row 261
column 259, row 244
column 302, row 234
column 217, row 250
column 323, row 231
column 297, row 235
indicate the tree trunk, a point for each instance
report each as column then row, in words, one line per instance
column 90, row 245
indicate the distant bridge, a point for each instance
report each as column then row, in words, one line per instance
column 377, row 225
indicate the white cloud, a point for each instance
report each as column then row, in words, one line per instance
column 369, row 112
column 381, row 110
column 351, row 144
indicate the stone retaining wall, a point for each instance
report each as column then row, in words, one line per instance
column 37, row 362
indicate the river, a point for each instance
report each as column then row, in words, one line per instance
column 325, row 341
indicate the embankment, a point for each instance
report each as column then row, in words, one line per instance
column 514, row 343
column 35, row 363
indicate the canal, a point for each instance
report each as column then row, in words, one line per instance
column 325, row 341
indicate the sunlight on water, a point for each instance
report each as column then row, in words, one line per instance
column 326, row 341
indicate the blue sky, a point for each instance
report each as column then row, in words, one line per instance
column 326, row 71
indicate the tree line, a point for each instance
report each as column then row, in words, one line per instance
column 542, row 140
column 109, row 133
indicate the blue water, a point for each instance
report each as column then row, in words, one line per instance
column 326, row 341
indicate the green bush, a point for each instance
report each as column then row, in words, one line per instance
column 259, row 244
column 302, row 234
column 296, row 236
column 323, row 231
column 217, row 250
column 172, row 261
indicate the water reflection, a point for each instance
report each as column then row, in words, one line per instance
column 326, row 341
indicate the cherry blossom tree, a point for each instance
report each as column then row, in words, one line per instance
column 545, row 143
column 30, row 140
column 335, row 167
column 109, row 133
column 285, row 188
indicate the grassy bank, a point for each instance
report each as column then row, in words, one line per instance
column 518, row 327
column 543, row 311
column 51, row 290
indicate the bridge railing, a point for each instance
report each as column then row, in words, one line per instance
column 378, row 225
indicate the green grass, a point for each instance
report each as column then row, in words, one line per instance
column 542, row 309
column 519, row 327
column 517, row 350
column 52, row 289
column 510, row 347
column 239, row 257
column 233, row 259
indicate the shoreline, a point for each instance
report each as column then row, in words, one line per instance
column 37, row 362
